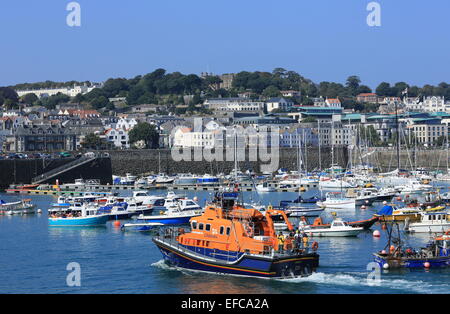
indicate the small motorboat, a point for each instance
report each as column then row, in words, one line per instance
column 365, row 224
column 337, row 228
column 141, row 227
column 436, row 253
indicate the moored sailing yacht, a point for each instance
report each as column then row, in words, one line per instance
column 231, row 239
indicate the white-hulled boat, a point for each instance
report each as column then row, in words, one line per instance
column 414, row 187
column 431, row 222
column 331, row 183
column 295, row 210
column 264, row 188
column 23, row 207
column 337, row 200
column 338, row 228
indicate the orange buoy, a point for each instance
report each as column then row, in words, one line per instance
column 383, row 226
column 426, row 265
column 399, row 199
column 117, row 223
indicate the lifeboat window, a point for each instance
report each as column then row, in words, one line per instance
column 194, row 225
column 200, row 226
column 228, row 231
column 208, row 227
column 222, row 229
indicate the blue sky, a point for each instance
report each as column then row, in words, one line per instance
column 325, row 40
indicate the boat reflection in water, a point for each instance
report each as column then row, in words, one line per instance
column 231, row 239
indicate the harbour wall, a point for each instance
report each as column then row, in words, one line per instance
column 435, row 159
column 153, row 161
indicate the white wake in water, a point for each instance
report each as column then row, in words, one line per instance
column 349, row 280
column 361, row 280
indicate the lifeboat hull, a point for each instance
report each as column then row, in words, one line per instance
column 236, row 263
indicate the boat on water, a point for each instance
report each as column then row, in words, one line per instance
column 22, row 207
column 265, row 188
column 333, row 183
column 141, row 227
column 78, row 215
column 337, row 228
column 365, row 196
column 300, row 210
column 435, row 254
column 174, row 211
column 391, row 213
column 301, row 200
column 337, row 200
column 230, row 239
column 366, row 224
column 430, row 222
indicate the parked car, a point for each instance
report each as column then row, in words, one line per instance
column 65, row 155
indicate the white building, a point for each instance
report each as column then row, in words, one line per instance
column 429, row 104
column 234, row 104
column 119, row 137
column 333, row 102
column 126, row 123
column 69, row 91
column 278, row 104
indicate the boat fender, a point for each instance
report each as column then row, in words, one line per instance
column 315, row 246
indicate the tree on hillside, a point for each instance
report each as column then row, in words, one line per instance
column 30, row 98
column 352, row 84
column 93, row 141
column 145, row 132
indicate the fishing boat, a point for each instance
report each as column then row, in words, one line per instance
column 436, row 253
column 77, row 216
column 230, row 239
column 391, row 213
column 337, row 228
column 431, row 222
column 337, row 200
column 22, row 207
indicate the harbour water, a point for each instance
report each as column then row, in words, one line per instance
column 34, row 257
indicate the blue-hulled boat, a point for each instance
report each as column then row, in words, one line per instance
column 78, row 215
